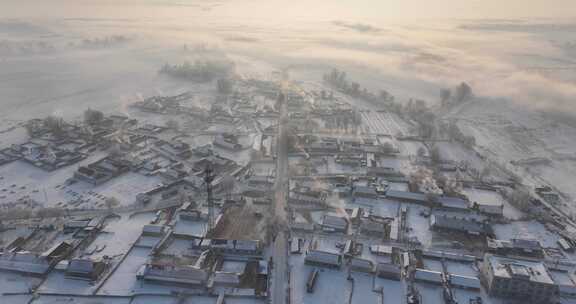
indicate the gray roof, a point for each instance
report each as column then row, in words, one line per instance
column 365, row 190
column 251, row 245
column 405, row 195
column 458, row 223
column 358, row 263
column 428, row 276
column 226, row 278
column 323, row 257
column 80, row 266
column 77, row 223
column 153, row 229
column 452, row 202
column 448, row 255
column 526, row 244
column 183, row 274
column 335, row 222
column 381, row 249
column 388, row 268
column 24, row 262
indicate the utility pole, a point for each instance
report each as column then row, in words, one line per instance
column 208, row 178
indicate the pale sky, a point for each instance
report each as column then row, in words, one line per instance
column 287, row 9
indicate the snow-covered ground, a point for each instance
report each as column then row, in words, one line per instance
column 527, row 230
column 123, row 280
column 410, row 62
column 507, row 132
column 50, row 189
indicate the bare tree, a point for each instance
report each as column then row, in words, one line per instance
column 435, row 155
column 111, row 203
column 421, row 152
column 463, row 93
column 445, row 95
column 93, row 117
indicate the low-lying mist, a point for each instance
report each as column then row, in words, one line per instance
column 409, row 59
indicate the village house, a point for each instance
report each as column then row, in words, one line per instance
column 323, row 259
column 456, row 223
column 518, row 279
column 85, row 269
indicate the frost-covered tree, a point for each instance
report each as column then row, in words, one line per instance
column 93, row 117
column 463, row 93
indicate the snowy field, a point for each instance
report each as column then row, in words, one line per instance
column 382, row 123
column 20, row 179
column 509, row 134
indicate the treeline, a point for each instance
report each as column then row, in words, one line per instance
column 200, row 71
column 339, row 80
column 102, row 42
column 451, row 131
column 347, row 122
column 416, row 110
column 225, row 85
column 20, row 48
column 459, row 94
column 51, row 124
column 40, row 47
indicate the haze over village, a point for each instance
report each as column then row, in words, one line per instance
column 226, row 151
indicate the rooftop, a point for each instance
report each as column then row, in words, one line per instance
column 521, row 269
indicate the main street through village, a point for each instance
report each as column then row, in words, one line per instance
column 280, row 246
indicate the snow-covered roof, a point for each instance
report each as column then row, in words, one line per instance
column 364, row 264
column 251, row 245
column 508, row 268
column 428, row 276
column 381, row 249
column 385, row 268
column 76, row 224
column 452, row 202
column 464, row 281
column 337, row 222
column 365, row 190
column 80, row 266
column 527, row 244
column 323, row 257
column 302, row 226
column 448, row 255
column 25, row 262
column 153, row 229
column 405, row 195
column 226, row 278
column 183, row 274
column 457, row 223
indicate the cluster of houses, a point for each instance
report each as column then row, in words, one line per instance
column 163, row 104
column 61, row 256
column 348, row 151
column 207, row 265
column 502, row 274
column 47, row 156
column 102, row 170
